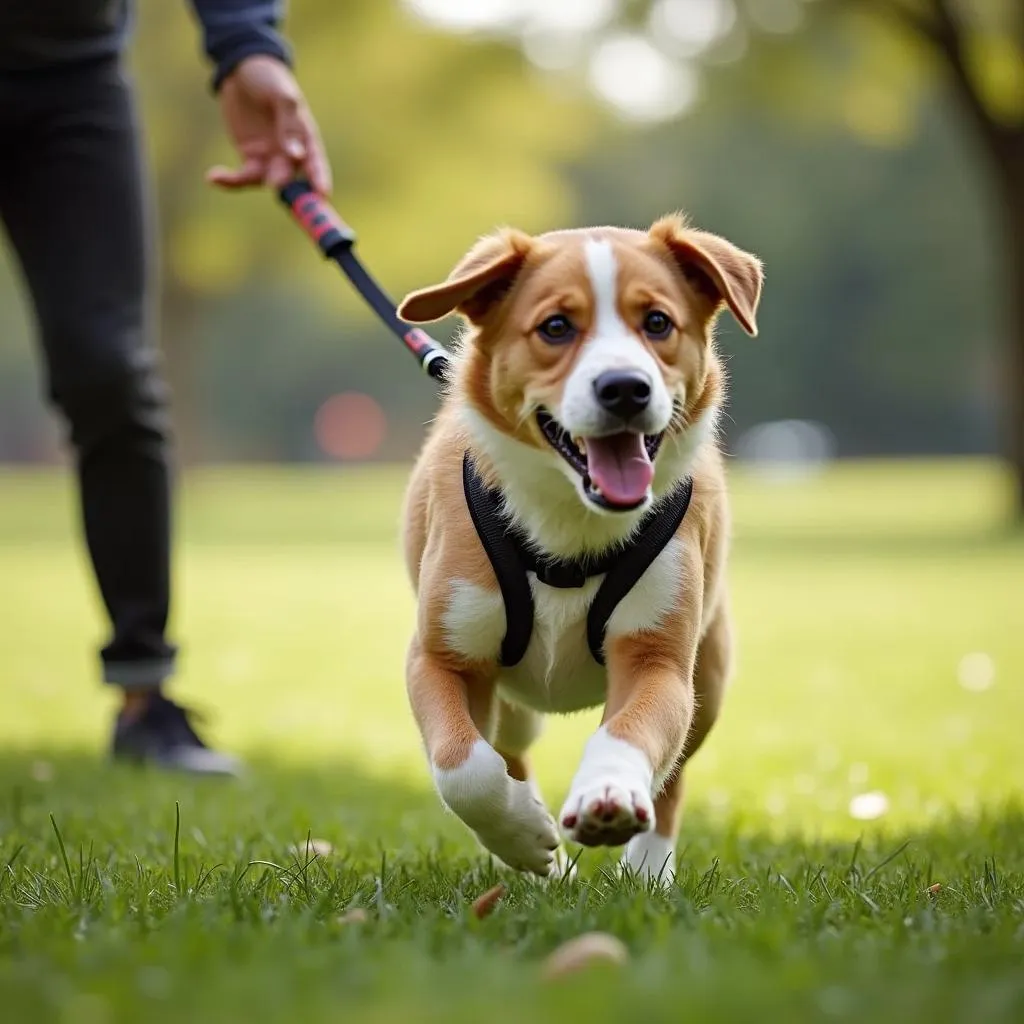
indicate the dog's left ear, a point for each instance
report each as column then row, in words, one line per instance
column 719, row 270
column 477, row 283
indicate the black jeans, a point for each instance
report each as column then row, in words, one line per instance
column 72, row 198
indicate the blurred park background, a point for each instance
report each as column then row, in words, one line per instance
column 870, row 151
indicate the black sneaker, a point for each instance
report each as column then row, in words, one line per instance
column 162, row 735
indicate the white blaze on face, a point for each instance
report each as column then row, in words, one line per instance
column 618, row 465
column 611, row 346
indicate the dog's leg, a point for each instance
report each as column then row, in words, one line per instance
column 516, row 730
column 652, row 854
column 454, row 711
column 647, row 716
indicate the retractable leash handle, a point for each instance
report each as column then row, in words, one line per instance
column 336, row 240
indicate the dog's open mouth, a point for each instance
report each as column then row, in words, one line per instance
column 617, row 469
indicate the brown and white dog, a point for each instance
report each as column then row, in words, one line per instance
column 607, row 332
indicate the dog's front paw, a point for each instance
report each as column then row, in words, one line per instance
column 524, row 836
column 610, row 798
column 606, row 812
column 505, row 815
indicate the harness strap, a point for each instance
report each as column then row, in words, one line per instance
column 512, row 556
column 485, row 507
column 563, row 573
column 657, row 529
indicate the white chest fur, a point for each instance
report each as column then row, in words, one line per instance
column 558, row 673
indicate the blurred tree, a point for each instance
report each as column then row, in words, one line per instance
column 980, row 47
column 409, row 117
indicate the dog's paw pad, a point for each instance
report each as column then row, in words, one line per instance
column 606, row 814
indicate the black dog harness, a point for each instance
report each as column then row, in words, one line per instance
column 512, row 557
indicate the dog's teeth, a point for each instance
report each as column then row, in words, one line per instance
column 581, row 444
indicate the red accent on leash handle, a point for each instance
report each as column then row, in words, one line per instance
column 317, row 217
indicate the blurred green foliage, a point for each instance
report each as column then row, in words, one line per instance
column 829, row 144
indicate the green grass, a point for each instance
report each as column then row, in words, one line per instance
column 857, row 594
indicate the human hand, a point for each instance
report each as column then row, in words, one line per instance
column 268, row 121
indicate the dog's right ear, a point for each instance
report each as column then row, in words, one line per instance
column 479, row 280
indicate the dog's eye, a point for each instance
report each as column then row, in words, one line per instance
column 557, row 329
column 657, row 325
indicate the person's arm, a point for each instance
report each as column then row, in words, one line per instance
column 263, row 107
column 236, row 29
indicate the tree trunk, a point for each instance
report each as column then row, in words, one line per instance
column 1012, row 189
column 1003, row 146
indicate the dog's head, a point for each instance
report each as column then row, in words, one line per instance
column 594, row 346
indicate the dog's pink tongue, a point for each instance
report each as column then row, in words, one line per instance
column 620, row 467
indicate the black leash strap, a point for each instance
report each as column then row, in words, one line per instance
column 336, row 240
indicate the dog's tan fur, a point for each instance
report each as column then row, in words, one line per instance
column 665, row 681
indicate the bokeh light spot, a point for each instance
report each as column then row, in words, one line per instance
column 976, row 671
column 869, row 806
column 630, row 73
column 350, row 426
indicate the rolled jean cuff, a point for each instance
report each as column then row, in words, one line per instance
column 138, row 675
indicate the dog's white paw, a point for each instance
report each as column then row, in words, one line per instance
column 651, row 856
column 609, row 801
column 524, row 836
column 506, row 815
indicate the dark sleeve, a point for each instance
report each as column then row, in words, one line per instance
column 236, row 29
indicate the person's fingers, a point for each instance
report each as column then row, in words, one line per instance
column 316, row 166
column 280, row 170
column 250, row 173
column 289, row 130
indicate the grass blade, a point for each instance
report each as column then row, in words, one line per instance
column 888, row 860
column 64, row 856
column 177, row 848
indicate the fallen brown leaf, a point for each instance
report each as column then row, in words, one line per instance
column 485, row 904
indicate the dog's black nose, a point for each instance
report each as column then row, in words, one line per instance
column 625, row 393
